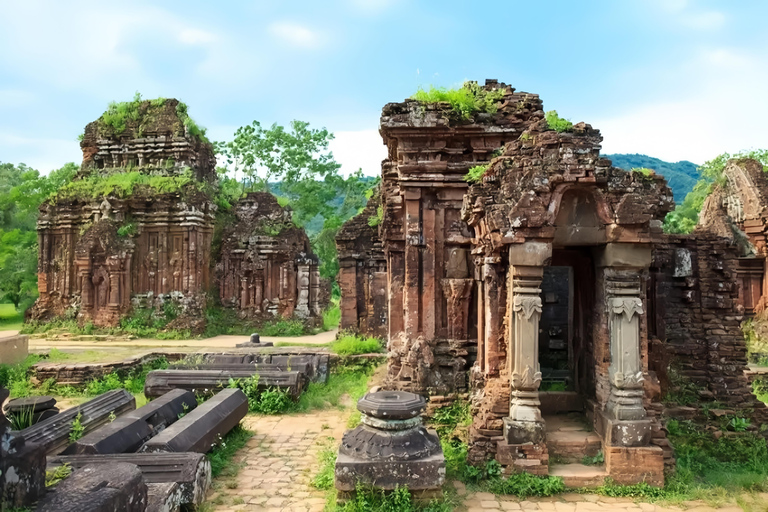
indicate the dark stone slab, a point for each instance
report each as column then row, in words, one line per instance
column 53, row 434
column 316, row 371
column 426, row 473
column 44, row 415
column 116, row 487
column 199, row 430
column 128, row 432
column 22, row 466
column 204, row 382
column 191, row 472
column 35, row 403
column 392, row 405
column 164, row 497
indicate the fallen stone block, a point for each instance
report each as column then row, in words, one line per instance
column 53, row 434
column 202, row 428
column 128, row 432
column 164, row 497
column 116, row 487
column 191, row 472
column 203, row 382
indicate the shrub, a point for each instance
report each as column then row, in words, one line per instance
column 283, row 327
column 557, row 123
column 464, row 101
column 354, row 345
column 475, row 173
column 332, row 315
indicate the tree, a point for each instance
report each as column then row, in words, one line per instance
column 18, row 267
column 297, row 165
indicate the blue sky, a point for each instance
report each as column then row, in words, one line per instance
column 675, row 79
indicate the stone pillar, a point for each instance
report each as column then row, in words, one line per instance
column 622, row 267
column 302, row 306
column 526, row 261
column 457, row 292
column 314, row 295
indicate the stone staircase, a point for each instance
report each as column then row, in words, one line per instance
column 570, row 443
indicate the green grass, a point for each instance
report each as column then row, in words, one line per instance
column 332, row 315
column 475, row 174
column 221, row 454
column 126, row 184
column 464, row 101
column 354, row 345
column 10, row 319
column 347, row 383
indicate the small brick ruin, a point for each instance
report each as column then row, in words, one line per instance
column 100, row 256
column 267, row 267
column 548, row 286
column 363, row 273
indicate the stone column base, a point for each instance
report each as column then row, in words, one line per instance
column 629, row 466
column 527, row 457
column 628, row 433
column 519, row 432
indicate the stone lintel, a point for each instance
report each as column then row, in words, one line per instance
column 624, row 255
column 530, row 254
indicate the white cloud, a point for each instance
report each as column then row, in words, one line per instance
column 294, row 34
column 708, row 20
column 195, row 36
column 724, row 109
column 43, row 154
column 14, row 98
column 362, row 149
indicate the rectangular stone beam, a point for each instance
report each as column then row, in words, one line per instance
column 199, row 430
column 190, row 472
column 53, row 434
column 99, row 488
column 128, row 432
column 202, row 382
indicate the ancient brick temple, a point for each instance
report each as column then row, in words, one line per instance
column 363, row 273
column 547, row 287
column 267, row 267
column 90, row 267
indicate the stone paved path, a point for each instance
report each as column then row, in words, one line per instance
column 281, row 459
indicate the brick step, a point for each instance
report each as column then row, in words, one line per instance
column 572, row 445
column 579, row 475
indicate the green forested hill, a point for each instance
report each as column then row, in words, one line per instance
column 681, row 176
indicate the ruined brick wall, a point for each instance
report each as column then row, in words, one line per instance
column 695, row 312
column 267, row 267
column 432, row 310
column 363, row 272
column 100, row 255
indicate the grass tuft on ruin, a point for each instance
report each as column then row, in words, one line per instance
column 464, row 101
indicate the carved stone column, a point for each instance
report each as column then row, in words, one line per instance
column 625, row 372
column 314, row 296
column 525, row 423
column 302, row 306
column 622, row 267
column 457, row 292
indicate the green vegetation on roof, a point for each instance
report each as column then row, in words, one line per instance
column 464, row 101
column 120, row 114
column 557, row 123
column 125, row 184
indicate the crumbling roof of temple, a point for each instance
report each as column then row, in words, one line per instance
column 154, row 137
column 737, row 207
column 144, row 118
column 360, row 234
column 262, row 224
column 511, row 110
column 520, row 189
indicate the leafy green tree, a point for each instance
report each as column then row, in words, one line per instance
column 297, row 166
column 18, row 267
column 685, row 216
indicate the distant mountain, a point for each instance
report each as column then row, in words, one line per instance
column 681, row 176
